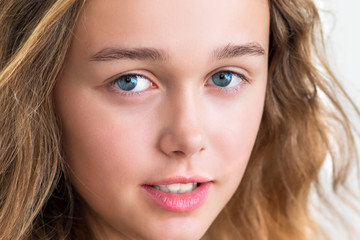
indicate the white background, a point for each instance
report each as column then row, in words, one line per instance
column 341, row 22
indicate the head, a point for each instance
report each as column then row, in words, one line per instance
column 117, row 98
column 181, row 123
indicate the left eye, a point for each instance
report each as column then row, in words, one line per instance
column 225, row 79
column 132, row 83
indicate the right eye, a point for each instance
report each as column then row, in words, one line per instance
column 132, row 83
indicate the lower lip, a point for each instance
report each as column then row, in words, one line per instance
column 180, row 202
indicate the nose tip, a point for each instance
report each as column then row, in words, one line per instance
column 184, row 143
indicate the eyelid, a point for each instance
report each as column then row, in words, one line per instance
column 150, row 76
column 137, row 72
column 112, row 83
column 228, row 90
column 232, row 69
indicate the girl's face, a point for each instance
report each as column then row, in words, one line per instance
column 160, row 104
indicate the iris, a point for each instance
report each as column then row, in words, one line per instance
column 222, row 79
column 127, row 82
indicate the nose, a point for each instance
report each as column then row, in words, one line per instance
column 182, row 133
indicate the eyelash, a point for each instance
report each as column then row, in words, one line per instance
column 118, row 90
column 225, row 90
column 229, row 90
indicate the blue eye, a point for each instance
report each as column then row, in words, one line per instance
column 132, row 83
column 226, row 79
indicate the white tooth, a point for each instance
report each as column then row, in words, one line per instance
column 188, row 187
column 163, row 188
column 177, row 187
column 174, row 188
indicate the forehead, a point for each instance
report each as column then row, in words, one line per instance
column 172, row 24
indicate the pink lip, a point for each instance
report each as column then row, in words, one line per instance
column 180, row 179
column 179, row 202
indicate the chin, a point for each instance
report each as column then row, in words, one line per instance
column 177, row 235
column 178, row 231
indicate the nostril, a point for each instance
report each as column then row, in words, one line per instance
column 179, row 153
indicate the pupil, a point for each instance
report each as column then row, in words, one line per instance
column 222, row 76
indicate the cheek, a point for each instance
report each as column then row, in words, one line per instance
column 103, row 148
column 237, row 125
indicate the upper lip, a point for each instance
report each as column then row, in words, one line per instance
column 180, row 179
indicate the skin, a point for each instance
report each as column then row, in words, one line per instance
column 182, row 125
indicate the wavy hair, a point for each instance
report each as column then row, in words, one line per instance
column 297, row 132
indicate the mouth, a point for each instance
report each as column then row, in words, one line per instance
column 177, row 187
column 179, row 194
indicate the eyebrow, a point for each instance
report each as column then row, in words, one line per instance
column 232, row 50
column 109, row 54
column 157, row 55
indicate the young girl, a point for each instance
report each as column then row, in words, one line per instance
column 125, row 119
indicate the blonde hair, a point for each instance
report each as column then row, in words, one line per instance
column 296, row 134
column 34, row 39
